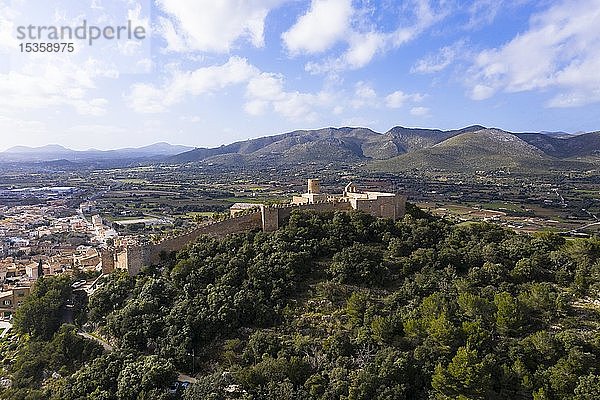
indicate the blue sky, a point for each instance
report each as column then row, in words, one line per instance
column 215, row 71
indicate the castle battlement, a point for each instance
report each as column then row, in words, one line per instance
column 132, row 257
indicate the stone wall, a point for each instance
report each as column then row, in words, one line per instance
column 268, row 219
column 108, row 260
column 393, row 207
column 283, row 212
column 130, row 259
column 238, row 223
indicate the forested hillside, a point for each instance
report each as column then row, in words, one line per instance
column 331, row 306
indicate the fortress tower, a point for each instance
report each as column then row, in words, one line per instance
column 314, row 186
column 108, row 260
column 313, row 194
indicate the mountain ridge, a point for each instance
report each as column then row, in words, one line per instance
column 354, row 142
column 399, row 149
column 54, row 152
column 402, row 148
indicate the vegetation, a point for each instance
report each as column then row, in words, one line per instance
column 338, row 306
column 36, row 362
column 41, row 313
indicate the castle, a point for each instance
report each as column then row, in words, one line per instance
column 378, row 204
column 132, row 256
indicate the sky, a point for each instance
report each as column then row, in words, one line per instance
column 211, row 72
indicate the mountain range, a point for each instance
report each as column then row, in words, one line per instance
column 54, row 152
column 399, row 149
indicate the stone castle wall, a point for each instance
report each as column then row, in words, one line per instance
column 246, row 222
column 383, row 207
column 268, row 219
column 108, row 260
column 130, row 259
column 275, row 216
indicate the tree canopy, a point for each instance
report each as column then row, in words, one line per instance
column 345, row 306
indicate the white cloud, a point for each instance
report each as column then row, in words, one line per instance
column 419, row 111
column 256, row 107
column 559, row 51
column 266, row 91
column 266, row 86
column 138, row 17
column 300, row 106
column 175, row 41
column 365, row 91
column 434, row 63
column 18, row 129
column 482, row 92
column 398, row 99
column 364, row 41
column 95, row 107
column 41, row 84
column 213, row 26
column 323, row 25
column 365, row 96
column 147, row 98
column 483, row 12
column 363, row 48
column 8, row 41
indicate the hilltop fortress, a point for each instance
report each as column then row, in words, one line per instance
column 132, row 256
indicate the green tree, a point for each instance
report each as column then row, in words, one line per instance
column 41, row 313
column 146, row 379
column 110, row 295
column 508, row 315
column 467, row 376
column 360, row 264
column 588, row 388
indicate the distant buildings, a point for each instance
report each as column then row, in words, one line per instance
column 97, row 221
column 241, row 207
column 10, row 300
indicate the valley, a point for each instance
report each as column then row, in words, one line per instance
column 257, row 312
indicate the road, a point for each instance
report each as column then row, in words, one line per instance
column 180, row 376
column 583, row 227
column 103, row 343
column 5, row 326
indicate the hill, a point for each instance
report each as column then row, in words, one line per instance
column 494, row 149
column 327, row 145
column 55, row 152
column 587, row 144
column 50, row 148
column 331, row 306
column 399, row 149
